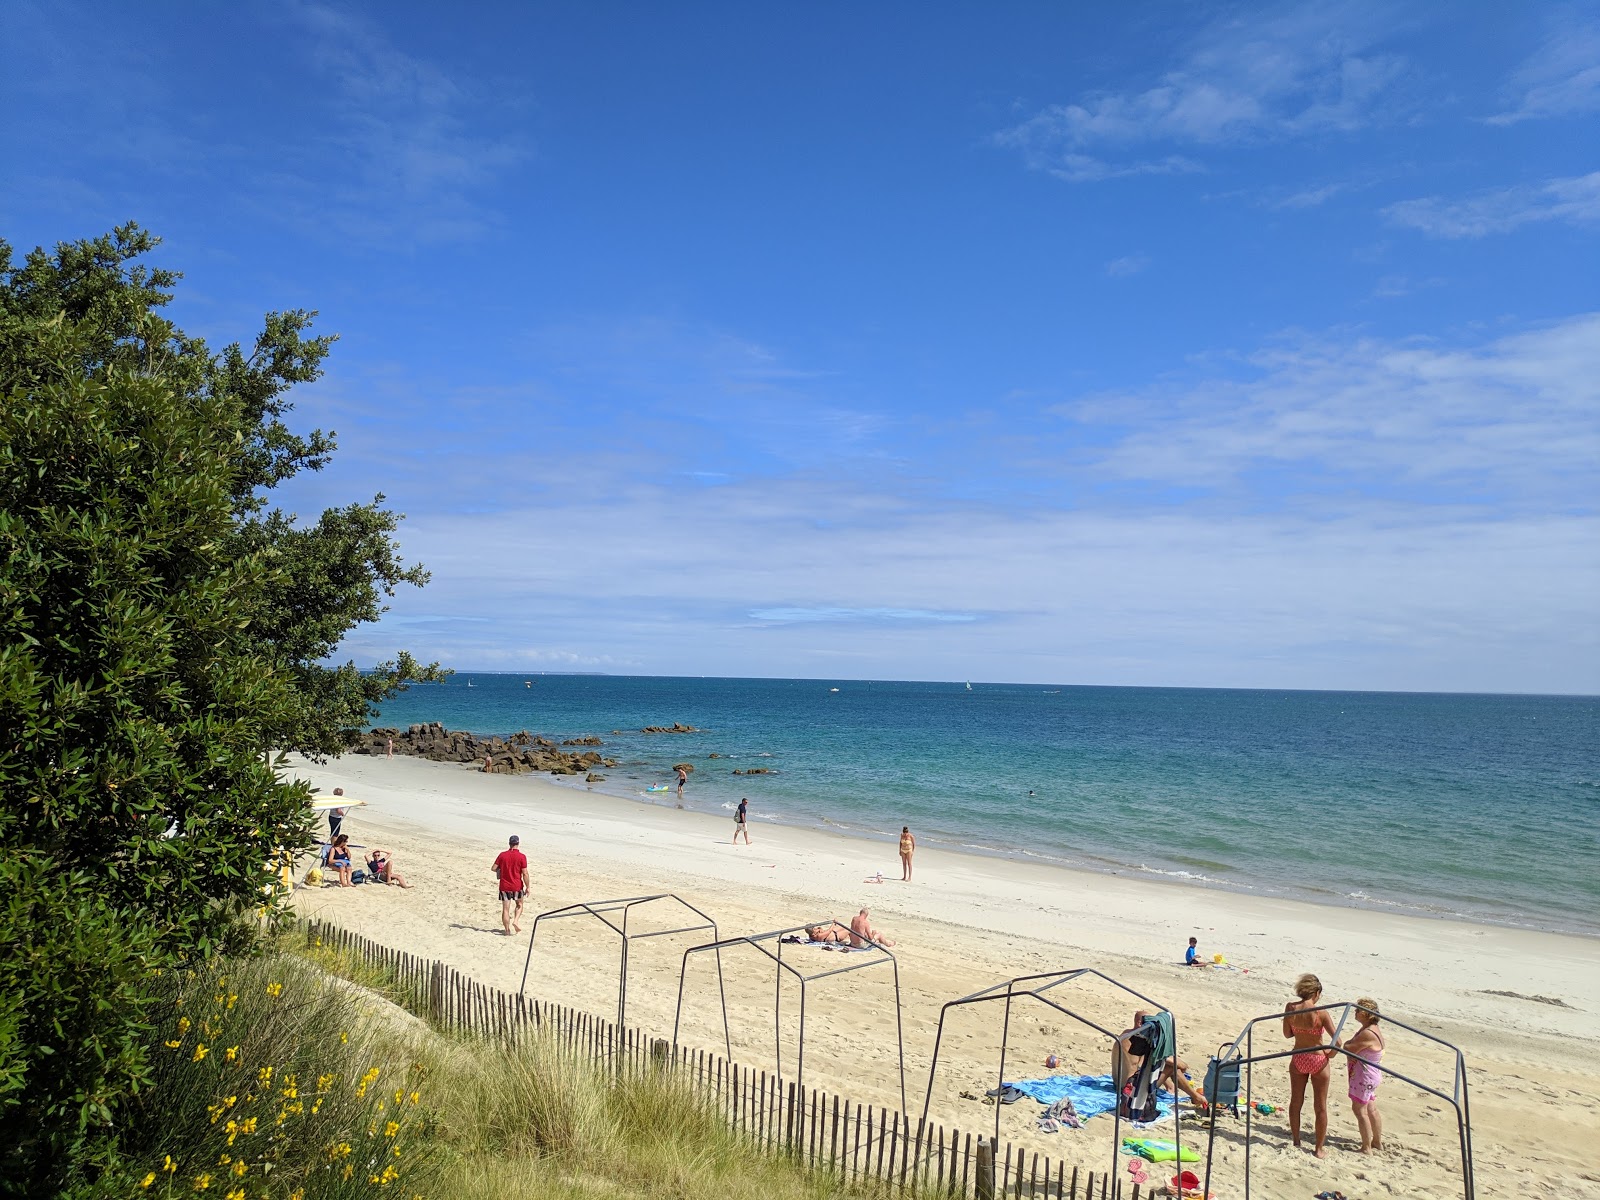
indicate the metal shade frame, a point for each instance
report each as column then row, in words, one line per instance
column 871, row 954
column 600, row 910
column 1035, row 987
column 1457, row 1098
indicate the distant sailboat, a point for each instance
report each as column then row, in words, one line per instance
column 527, row 683
column 833, row 689
column 969, row 685
column 469, row 683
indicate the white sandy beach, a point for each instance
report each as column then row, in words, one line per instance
column 967, row 922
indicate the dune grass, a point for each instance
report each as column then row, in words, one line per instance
column 293, row 1076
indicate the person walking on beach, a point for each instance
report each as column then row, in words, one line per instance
column 683, row 778
column 741, row 821
column 388, row 745
column 336, row 816
column 1310, row 1061
column 1366, row 1052
column 511, row 866
column 908, row 847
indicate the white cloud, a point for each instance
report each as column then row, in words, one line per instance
column 1560, row 79
column 1128, row 264
column 1355, row 513
column 1575, row 200
column 1244, row 80
column 1515, row 417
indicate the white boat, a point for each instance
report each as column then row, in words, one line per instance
column 969, row 685
column 833, row 689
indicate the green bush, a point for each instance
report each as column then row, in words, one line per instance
column 74, row 998
column 267, row 1080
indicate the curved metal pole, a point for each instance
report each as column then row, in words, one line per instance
column 1000, row 1084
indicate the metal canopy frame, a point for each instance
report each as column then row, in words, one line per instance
column 600, row 910
column 1035, row 987
column 1457, row 1099
column 758, row 942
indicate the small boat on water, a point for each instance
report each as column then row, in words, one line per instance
column 833, row 689
column 969, row 685
column 527, row 683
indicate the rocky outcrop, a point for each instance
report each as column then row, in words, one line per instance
column 686, row 768
column 519, row 754
column 675, row 727
column 755, row 771
column 594, row 777
column 591, row 740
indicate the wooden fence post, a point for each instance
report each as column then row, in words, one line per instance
column 984, row 1183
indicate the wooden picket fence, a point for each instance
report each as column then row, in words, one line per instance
column 844, row 1139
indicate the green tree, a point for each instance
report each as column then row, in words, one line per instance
column 337, row 573
column 161, row 632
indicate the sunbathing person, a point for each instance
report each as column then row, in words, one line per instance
column 380, row 864
column 827, row 933
column 861, row 931
column 338, row 857
column 1136, row 1048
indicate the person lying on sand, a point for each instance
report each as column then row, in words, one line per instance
column 827, row 933
column 1135, row 1049
column 861, row 931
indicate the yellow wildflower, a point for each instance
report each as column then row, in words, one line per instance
column 148, row 1180
column 392, row 1128
column 202, row 1182
column 231, row 1054
column 240, row 1167
column 172, row 1045
column 168, row 1165
column 274, row 990
column 233, row 998
column 324, row 1082
column 264, row 1076
column 199, row 1051
column 183, row 1024
column 235, row 1194
column 344, row 1038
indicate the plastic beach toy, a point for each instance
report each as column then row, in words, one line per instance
column 1265, row 1109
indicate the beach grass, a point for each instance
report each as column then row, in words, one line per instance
column 294, row 1075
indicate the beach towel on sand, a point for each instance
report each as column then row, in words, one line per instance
column 1091, row 1095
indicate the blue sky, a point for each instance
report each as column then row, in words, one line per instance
column 1166, row 343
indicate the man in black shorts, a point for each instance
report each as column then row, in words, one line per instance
column 741, row 822
column 511, row 866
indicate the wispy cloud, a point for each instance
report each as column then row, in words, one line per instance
column 833, row 614
column 1243, row 80
column 1513, row 419
column 1560, row 79
column 1128, row 264
column 416, row 147
column 1575, row 200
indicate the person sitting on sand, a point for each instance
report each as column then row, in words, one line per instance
column 1191, row 956
column 1366, row 1052
column 1135, row 1048
column 1309, row 1063
column 861, row 931
column 380, row 863
column 339, row 858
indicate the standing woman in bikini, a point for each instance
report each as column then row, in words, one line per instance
column 1310, row 1062
column 908, row 847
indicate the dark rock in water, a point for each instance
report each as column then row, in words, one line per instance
column 519, row 754
column 713, row 755
column 591, row 740
column 755, row 771
column 675, row 727
column 686, row 768
column 591, row 777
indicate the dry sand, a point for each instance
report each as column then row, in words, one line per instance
column 966, row 922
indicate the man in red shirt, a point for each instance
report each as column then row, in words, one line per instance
column 511, row 866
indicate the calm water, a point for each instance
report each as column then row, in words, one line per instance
column 1479, row 806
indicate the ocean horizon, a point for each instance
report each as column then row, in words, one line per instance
column 1470, row 806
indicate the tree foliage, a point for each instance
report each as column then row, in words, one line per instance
column 162, row 632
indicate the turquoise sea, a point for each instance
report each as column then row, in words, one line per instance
column 1486, row 807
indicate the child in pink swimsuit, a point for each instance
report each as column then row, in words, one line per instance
column 1366, row 1050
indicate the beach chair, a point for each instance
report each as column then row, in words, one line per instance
column 1221, row 1085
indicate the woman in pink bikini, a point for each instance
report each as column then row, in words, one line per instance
column 1366, row 1052
column 1311, row 1055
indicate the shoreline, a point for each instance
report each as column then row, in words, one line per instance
column 488, row 803
column 1085, row 864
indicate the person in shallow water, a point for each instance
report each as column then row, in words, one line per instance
column 1310, row 1062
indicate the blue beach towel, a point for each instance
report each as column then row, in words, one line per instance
column 1091, row 1095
